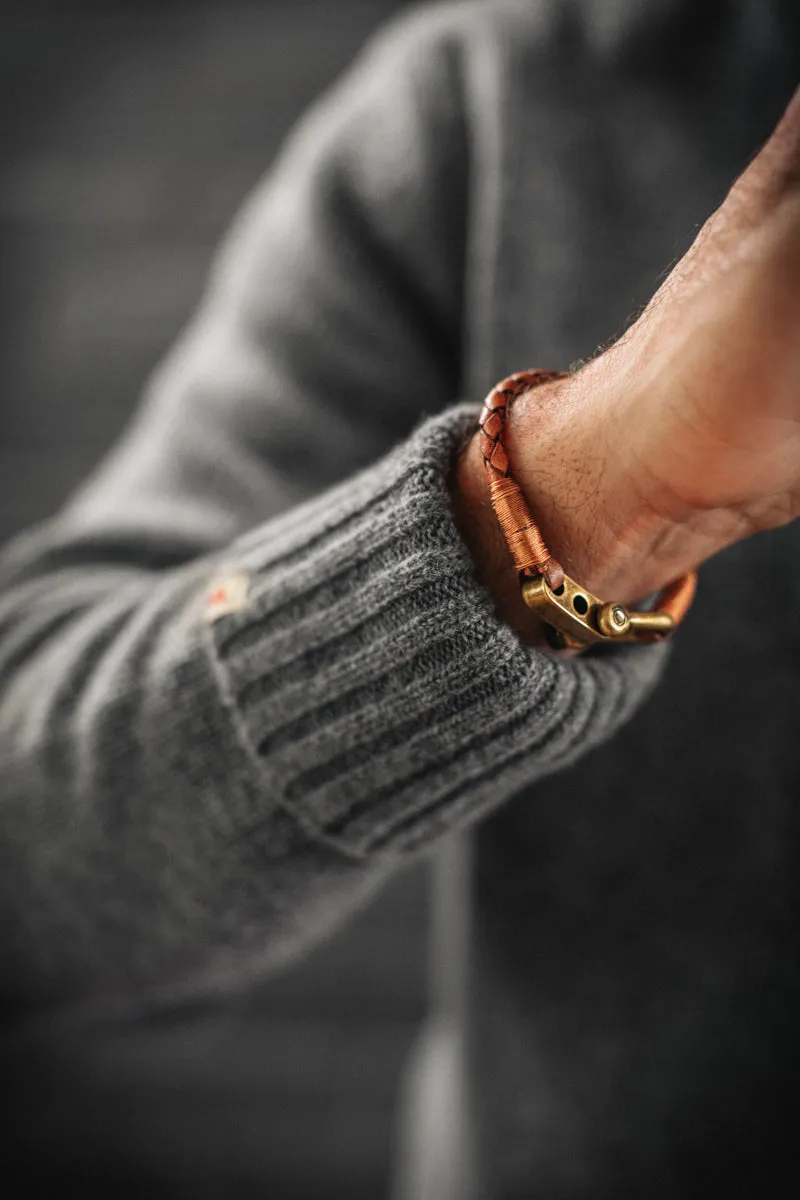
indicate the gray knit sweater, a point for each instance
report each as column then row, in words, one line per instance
column 185, row 791
column 248, row 671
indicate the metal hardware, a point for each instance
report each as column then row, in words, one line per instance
column 577, row 618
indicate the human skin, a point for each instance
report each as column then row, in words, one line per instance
column 682, row 437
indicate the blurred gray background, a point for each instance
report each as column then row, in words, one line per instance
column 130, row 134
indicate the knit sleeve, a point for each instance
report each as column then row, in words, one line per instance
column 228, row 706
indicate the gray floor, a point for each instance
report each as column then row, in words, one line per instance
column 130, row 134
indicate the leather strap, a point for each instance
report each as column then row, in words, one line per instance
column 524, row 538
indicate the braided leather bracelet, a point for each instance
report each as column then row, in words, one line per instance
column 575, row 618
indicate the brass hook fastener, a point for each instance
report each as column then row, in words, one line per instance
column 576, row 618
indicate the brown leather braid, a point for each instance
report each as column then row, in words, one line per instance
column 523, row 536
column 676, row 598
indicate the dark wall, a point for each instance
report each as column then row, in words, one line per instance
column 130, row 134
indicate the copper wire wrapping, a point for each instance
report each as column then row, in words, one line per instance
column 523, row 536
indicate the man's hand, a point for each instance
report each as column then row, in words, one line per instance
column 684, row 436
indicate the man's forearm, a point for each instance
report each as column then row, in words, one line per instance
column 684, row 436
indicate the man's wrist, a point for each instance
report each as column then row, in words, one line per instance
column 567, row 446
column 568, row 462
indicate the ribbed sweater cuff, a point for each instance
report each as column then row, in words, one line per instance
column 379, row 697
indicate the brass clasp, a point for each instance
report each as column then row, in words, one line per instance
column 578, row 618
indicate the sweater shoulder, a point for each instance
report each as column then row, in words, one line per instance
column 467, row 26
column 443, row 54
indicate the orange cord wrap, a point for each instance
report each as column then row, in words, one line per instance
column 523, row 536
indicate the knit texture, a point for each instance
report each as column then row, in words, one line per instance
column 184, row 804
column 375, row 688
column 186, row 800
column 225, row 778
